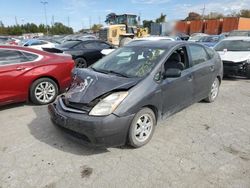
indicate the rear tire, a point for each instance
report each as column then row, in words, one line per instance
column 81, row 63
column 142, row 128
column 43, row 91
column 214, row 91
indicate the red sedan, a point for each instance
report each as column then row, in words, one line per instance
column 29, row 74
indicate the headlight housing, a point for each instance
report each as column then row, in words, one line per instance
column 108, row 105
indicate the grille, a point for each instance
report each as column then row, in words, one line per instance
column 103, row 34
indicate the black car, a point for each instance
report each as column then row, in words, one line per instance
column 121, row 97
column 84, row 52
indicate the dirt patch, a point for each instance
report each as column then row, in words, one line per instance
column 206, row 126
column 242, row 155
column 86, row 171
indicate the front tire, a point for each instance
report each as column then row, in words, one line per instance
column 43, row 91
column 214, row 91
column 142, row 128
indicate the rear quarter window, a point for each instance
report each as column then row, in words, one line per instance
column 211, row 53
column 198, row 54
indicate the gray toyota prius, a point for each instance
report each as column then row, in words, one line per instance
column 120, row 98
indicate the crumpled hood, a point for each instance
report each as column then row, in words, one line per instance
column 234, row 56
column 89, row 85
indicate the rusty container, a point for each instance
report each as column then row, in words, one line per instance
column 182, row 26
column 197, row 26
column 230, row 24
column 213, row 26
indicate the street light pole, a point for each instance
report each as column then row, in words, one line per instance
column 45, row 13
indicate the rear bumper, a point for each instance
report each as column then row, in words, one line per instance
column 99, row 131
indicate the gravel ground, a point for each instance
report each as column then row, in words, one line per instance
column 205, row 145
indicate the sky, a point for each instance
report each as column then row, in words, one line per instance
column 82, row 13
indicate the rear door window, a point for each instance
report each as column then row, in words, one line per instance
column 8, row 57
column 90, row 45
column 102, row 45
column 198, row 54
column 29, row 56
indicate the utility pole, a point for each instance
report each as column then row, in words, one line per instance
column 68, row 21
column 16, row 20
column 203, row 11
column 90, row 22
column 99, row 17
column 45, row 13
column 52, row 20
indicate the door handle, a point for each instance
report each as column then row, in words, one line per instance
column 20, row 68
column 211, row 68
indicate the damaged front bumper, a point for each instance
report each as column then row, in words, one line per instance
column 106, row 131
column 235, row 68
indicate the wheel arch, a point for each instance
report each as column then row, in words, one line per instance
column 154, row 109
column 219, row 78
column 44, row 76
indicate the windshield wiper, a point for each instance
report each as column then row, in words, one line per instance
column 110, row 72
column 118, row 73
column 100, row 70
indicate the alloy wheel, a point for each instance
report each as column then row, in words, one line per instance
column 143, row 128
column 214, row 89
column 45, row 92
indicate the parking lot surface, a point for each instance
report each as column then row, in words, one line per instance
column 205, row 145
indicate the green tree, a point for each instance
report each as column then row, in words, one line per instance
column 147, row 24
column 96, row 27
column 244, row 13
column 58, row 29
column 161, row 19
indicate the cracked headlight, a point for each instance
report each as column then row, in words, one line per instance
column 108, row 105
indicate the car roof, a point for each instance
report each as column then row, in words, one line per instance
column 237, row 38
column 157, row 43
column 32, row 50
column 154, row 38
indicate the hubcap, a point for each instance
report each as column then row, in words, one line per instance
column 143, row 128
column 214, row 89
column 45, row 92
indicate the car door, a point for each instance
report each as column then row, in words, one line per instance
column 177, row 93
column 203, row 71
column 13, row 64
column 100, row 45
column 91, row 51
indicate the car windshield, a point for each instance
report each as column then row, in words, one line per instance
column 209, row 39
column 233, row 45
column 130, row 61
column 196, row 37
column 69, row 44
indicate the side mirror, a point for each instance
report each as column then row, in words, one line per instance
column 26, row 45
column 172, row 73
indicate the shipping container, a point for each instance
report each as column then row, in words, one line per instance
column 234, row 23
column 197, row 26
column 183, row 27
column 155, row 29
column 213, row 26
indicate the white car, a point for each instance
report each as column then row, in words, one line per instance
column 195, row 37
column 151, row 38
column 38, row 44
column 235, row 55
